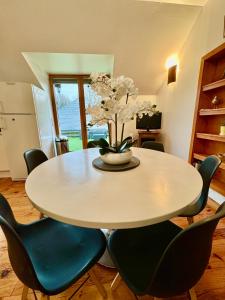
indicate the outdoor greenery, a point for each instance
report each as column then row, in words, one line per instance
column 75, row 143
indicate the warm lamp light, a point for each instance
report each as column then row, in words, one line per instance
column 171, row 61
column 171, row 65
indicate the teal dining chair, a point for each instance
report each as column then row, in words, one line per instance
column 164, row 260
column 33, row 158
column 153, row 146
column 49, row 256
column 207, row 169
column 91, row 144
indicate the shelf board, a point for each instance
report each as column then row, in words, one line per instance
column 212, row 112
column 201, row 156
column 211, row 137
column 213, row 85
column 218, row 186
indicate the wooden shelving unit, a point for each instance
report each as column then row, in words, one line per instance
column 214, row 85
column 217, row 186
column 212, row 112
column 208, row 118
column 211, row 137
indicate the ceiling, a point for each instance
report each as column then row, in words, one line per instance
column 140, row 35
column 67, row 63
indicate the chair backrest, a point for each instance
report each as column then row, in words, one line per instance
column 33, row 158
column 185, row 258
column 207, row 169
column 91, row 144
column 153, row 146
column 19, row 258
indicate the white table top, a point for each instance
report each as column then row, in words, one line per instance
column 69, row 189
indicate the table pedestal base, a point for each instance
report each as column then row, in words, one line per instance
column 106, row 260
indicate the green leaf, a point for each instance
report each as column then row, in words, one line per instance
column 103, row 151
column 125, row 144
column 112, row 149
column 122, row 147
column 126, row 139
column 107, row 150
column 103, row 143
column 130, row 144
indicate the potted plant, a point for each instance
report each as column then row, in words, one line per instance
column 115, row 103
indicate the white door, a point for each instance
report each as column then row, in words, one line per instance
column 20, row 135
column 44, row 120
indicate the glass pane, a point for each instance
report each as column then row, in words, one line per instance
column 93, row 132
column 68, row 110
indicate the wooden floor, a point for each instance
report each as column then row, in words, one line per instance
column 210, row 287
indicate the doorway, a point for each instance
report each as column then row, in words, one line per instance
column 71, row 94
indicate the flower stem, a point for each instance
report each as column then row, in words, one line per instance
column 122, row 131
column 116, row 129
column 109, row 131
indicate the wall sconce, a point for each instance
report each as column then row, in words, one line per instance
column 171, row 65
column 172, row 74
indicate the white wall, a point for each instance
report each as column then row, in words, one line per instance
column 177, row 101
column 43, row 108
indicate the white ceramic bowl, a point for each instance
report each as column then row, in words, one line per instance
column 117, row 158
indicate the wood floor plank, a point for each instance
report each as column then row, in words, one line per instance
column 210, row 287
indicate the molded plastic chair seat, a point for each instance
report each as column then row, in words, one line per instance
column 153, row 146
column 164, row 260
column 48, row 255
column 136, row 252
column 61, row 253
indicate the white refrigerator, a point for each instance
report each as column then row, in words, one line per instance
column 18, row 127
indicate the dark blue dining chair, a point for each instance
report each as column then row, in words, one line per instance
column 164, row 260
column 33, row 158
column 153, row 146
column 49, row 256
column 207, row 169
column 91, row 144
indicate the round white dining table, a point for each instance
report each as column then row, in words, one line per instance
column 69, row 189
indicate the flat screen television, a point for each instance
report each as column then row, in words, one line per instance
column 149, row 122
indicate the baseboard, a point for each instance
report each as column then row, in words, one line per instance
column 4, row 174
column 18, row 179
column 216, row 197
